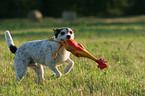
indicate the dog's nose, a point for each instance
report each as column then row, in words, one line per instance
column 68, row 36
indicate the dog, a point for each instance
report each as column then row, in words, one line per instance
column 35, row 54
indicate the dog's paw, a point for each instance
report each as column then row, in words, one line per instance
column 56, row 76
column 52, row 75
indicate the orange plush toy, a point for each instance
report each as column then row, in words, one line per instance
column 79, row 51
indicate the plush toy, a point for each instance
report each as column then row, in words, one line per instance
column 78, row 50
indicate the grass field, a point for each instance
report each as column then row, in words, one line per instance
column 121, row 41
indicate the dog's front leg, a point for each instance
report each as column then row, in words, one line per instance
column 69, row 66
column 54, row 69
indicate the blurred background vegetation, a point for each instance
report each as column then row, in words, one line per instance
column 54, row 8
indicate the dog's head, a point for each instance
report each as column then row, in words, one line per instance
column 63, row 33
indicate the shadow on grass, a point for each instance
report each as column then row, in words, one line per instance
column 24, row 24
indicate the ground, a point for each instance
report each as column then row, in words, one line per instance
column 121, row 41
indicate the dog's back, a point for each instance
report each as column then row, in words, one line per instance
column 38, row 51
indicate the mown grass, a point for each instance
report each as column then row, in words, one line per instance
column 118, row 40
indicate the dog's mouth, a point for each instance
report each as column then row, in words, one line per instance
column 62, row 39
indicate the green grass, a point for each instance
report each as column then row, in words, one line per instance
column 121, row 41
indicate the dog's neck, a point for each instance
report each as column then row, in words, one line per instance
column 63, row 51
column 54, row 38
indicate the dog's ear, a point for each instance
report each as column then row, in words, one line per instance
column 56, row 32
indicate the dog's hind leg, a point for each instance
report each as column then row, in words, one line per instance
column 69, row 66
column 20, row 67
column 38, row 68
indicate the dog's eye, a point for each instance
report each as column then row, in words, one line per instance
column 62, row 33
column 70, row 32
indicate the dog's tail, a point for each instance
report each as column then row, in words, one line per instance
column 10, row 42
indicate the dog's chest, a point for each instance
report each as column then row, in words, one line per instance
column 62, row 56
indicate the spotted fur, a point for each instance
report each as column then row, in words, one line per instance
column 34, row 54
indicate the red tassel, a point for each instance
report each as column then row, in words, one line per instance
column 102, row 63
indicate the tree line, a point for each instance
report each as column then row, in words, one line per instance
column 54, row 8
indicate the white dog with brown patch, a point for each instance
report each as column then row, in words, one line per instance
column 34, row 54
